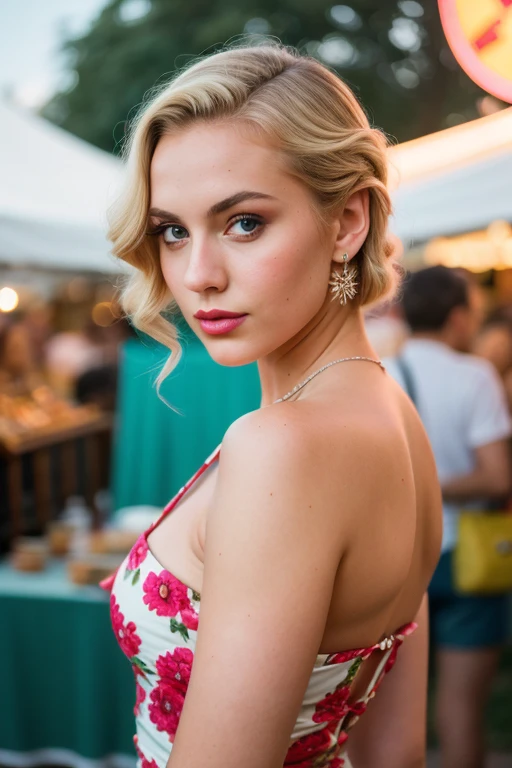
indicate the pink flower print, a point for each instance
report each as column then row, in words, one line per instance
column 333, row 707
column 302, row 751
column 339, row 658
column 190, row 618
column 116, row 615
column 165, row 594
column 390, row 663
column 342, row 738
column 175, row 668
column 137, row 553
column 145, row 763
column 165, row 708
column 108, row 583
column 140, row 695
column 125, row 633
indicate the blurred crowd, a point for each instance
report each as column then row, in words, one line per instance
column 450, row 349
column 488, row 330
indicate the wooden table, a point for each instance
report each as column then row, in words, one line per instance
column 94, row 429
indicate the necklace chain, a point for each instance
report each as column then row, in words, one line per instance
column 298, row 387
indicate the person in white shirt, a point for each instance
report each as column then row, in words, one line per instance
column 462, row 403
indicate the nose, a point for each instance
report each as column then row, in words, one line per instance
column 206, row 269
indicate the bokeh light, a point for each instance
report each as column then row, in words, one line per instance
column 9, row 299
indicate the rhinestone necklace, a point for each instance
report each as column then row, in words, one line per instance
column 298, row 387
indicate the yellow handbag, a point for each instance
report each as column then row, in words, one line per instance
column 483, row 555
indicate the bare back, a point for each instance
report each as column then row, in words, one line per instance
column 392, row 523
column 395, row 538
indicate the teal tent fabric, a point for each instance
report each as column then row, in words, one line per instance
column 156, row 448
column 66, row 685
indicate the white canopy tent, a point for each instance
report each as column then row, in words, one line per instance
column 457, row 180
column 54, row 193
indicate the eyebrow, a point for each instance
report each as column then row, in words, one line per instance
column 223, row 205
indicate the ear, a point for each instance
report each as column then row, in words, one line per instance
column 352, row 223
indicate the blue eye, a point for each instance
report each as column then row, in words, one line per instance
column 174, row 234
column 247, row 225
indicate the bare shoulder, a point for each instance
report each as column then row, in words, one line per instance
column 275, row 434
column 297, row 435
column 301, row 431
column 302, row 452
column 269, row 452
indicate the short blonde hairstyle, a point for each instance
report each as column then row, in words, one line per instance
column 305, row 111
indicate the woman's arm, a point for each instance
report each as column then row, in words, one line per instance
column 273, row 545
column 392, row 733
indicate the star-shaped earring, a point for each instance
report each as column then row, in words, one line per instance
column 344, row 286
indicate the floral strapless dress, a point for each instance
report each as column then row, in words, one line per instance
column 155, row 618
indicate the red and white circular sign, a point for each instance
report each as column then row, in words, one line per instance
column 479, row 33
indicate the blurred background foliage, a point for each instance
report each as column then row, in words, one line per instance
column 392, row 52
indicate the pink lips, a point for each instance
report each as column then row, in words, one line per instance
column 216, row 321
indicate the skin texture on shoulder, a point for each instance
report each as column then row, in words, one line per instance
column 270, row 564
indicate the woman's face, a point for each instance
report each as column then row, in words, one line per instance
column 237, row 235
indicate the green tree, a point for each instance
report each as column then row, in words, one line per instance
column 392, row 52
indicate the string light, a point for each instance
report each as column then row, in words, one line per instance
column 9, row 299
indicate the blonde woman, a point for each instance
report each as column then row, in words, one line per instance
column 264, row 607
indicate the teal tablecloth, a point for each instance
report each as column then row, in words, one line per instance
column 67, row 691
column 157, row 449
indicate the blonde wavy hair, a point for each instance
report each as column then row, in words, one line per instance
column 305, row 111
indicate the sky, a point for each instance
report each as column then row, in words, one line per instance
column 31, row 68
